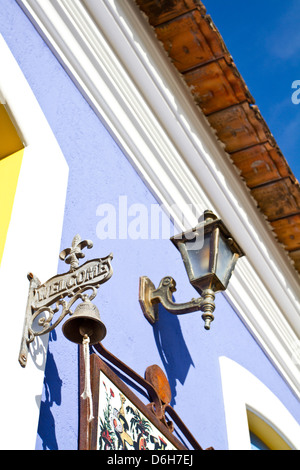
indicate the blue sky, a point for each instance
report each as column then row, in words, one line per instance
column 263, row 36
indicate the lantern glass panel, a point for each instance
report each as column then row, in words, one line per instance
column 225, row 259
column 198, row 253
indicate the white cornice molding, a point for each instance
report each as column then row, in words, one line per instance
column 110, row 53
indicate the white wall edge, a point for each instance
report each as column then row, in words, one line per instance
column 32, row 245
column 153, row 118
column 242, row 390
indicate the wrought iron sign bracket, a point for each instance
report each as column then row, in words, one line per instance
column 46, row 300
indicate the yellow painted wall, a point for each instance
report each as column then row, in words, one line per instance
column 11, row 155
column 266, row 433
column 10, row 141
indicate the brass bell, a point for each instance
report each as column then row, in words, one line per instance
column 85, row 321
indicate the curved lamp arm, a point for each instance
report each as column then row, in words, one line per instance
column 150, row 298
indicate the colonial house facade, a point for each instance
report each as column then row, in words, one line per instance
column 122, row 123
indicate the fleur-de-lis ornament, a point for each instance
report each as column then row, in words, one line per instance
column 72, row 255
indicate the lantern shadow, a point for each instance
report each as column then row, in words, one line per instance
column 172, row 349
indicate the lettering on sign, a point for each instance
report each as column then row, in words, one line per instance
column 92, row 273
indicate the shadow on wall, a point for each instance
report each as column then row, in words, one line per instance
column 172, row 349
column 51, row 396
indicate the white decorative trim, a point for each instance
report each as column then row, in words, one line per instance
column 32, row 244
column 109, row 51
column 242, row 390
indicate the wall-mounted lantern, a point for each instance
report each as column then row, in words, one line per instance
column 209, row 254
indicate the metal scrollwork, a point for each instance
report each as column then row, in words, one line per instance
column 46, row 300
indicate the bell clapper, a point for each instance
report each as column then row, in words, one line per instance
column 86, row 329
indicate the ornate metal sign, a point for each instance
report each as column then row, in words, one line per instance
column 92, row 273
column 47, row 298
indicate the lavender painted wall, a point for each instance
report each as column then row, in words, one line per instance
column 100, row 173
